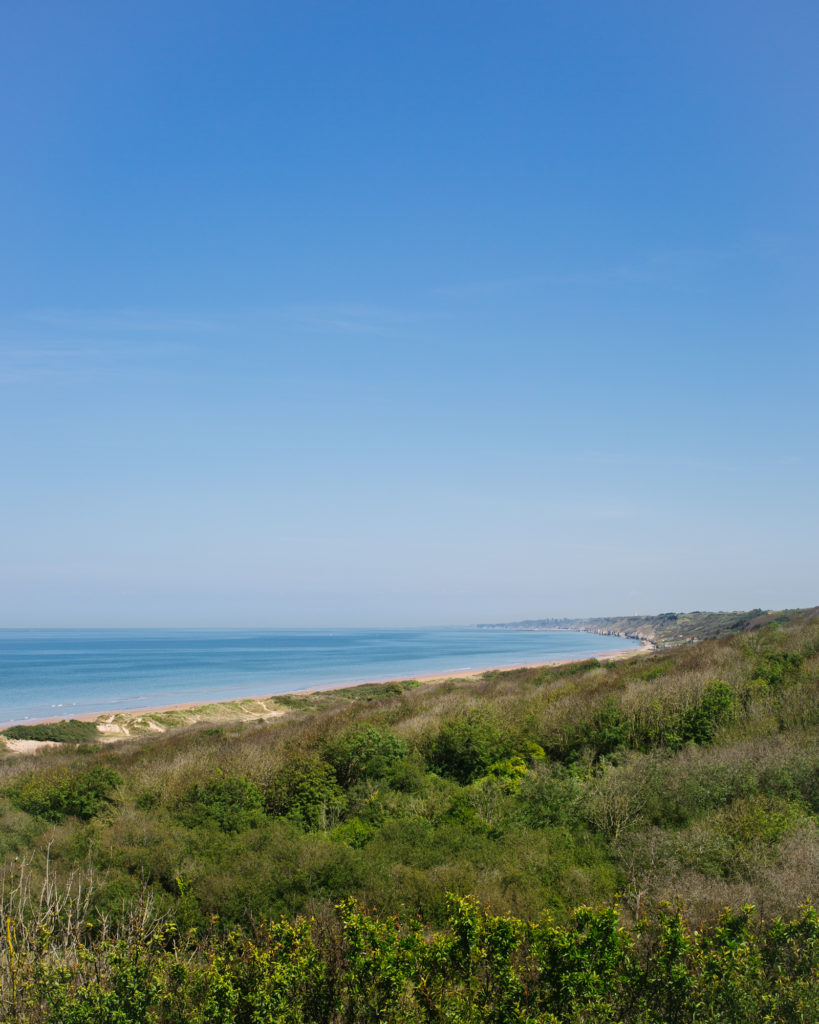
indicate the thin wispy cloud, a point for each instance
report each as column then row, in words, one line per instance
column 355, row 317
column 662, row 267
column 52, row 343
column 124, row 320
column 38, row 360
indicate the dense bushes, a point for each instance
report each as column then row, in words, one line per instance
column 350, row 967
column 778, row 668
column 230, row 803
column 611, row 728
column 71, row 731
column 306, row 791
column 58, row 792
column 364, row 753
column 465, row 747
column 530, row 789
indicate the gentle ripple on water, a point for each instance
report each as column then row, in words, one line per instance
column 59, row 673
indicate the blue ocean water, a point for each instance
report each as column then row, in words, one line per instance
column 59, row 673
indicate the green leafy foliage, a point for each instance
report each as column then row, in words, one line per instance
column 354, row 832
column 700, row 723
column 548, row 795
column 609, row 730
column 536, row 791
column 779, row 668
column 364, row 753
column 465, row 747
column 70, row 731
column 229, row 802
column 352, row 967
column 58, row 792
column 306, row 791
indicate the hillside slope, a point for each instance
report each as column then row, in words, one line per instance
column 686, row 774
column 668, row 628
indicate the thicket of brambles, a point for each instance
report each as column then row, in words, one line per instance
column 220, row 874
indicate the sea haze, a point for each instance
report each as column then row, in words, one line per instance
column 58, row 673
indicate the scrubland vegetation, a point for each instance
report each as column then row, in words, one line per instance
column 69, row 731
column 427, row 852
column 669, row 628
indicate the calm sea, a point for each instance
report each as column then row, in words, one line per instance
column 48, row 673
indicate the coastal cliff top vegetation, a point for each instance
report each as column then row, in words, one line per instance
column 686, row 775
column 668, row 628
column 686, row 772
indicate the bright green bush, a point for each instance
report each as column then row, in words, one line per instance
column 465, row 747
column 713, row 710
column 510, row 772
column 354, row 832
column 608, row 730
column 70, row 731
column 364, row 753
column 58, row 792
column 230, row 802
column 778, row 668
column 306, row 791
column 351, row 967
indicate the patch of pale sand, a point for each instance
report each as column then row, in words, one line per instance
column 267, row 711
column 111, row 728
column 28, row 746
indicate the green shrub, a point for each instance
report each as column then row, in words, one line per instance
column 306, row 791
column 654, row 670
column 795, row 779
column 364, row 753
column 409, row 775
column 354, row 832
column 230, row 802
column 465, row 747
column 372, row 691
column 677, row 792
column 608, row 730
column 509, row 772
column 71, row 731
column 656, row 726
column 478, row 968
column 761, row 820
column 778, row 669
column 714, row 709
column 56, row 793
column 548, row 795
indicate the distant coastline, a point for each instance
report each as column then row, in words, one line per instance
column 668, row 629
column 58, row 674
column 597, row 630
column 114, row 725
column 435, row 677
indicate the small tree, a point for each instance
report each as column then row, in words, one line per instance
column 306, row 791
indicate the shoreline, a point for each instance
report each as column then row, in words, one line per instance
column 106, row 718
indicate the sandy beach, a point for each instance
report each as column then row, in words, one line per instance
column 160, row 718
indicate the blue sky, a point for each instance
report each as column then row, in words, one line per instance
column 407, row 313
